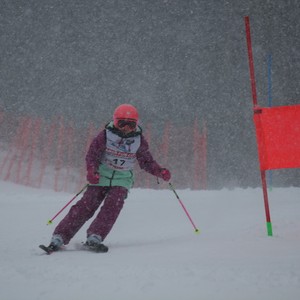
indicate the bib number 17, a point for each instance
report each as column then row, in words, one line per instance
column 119, row 162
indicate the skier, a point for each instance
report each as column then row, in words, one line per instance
column 109, row 161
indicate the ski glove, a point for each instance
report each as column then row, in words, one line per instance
column 92, row 176
column 165, row 174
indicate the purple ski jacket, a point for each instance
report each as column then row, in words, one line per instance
column 110, row 177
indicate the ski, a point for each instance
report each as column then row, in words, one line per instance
column 48, row 250
column 99, row 248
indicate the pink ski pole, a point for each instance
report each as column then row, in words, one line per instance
column 185, row 210
column 50, row 221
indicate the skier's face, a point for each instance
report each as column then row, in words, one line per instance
column 126, row 125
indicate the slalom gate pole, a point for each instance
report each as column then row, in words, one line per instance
column 51, row 221
column 266, row 203
column 251, row 63
column 255, row 105
column 185, row 210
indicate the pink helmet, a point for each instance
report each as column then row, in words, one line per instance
column 125, row 112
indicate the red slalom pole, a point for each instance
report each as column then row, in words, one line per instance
column 185, row 210
column 50, row 221
column 256, row 111
column 250, row 59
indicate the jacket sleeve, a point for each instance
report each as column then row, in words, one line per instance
column 145, row 159
column 96, row 150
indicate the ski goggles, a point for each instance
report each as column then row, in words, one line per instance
column 130, row 124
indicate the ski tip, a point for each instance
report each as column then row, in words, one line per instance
column 46, row 249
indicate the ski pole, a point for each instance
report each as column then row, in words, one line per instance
column 185, row 210
column 50, row 221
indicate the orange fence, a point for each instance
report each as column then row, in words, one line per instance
column 51, row 154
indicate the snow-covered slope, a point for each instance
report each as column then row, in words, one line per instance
column 154, row 252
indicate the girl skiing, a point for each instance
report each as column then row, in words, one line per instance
column 110, row 161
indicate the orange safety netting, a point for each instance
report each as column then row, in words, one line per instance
column 278, row 136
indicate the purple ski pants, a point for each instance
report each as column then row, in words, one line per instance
column 85, row 208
